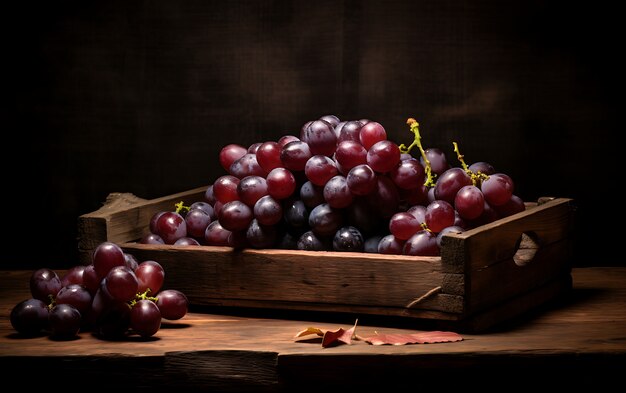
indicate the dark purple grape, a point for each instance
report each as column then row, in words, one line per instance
column 122, row 283
column 469, row 202
column 482, row 167
column 197, row 220
column 65, row 321
column 437, row 158
column 173, row 304
column 251, row 189
column 361, row 180
column 131, row 261
column 439, row 214
column 268, row 211
column 385, row 199
column 513, row 206
column 348, row 239
column 311, row 194
column 216, row 234
column 238, row 240
column 145, row 318
column 371, row 244
column 260, row 236
column 91, row 281
column 350, row 132
column 286, row 139
column 423, row 243
column 309, row 241
column 408, row 174
column 390, row 245
column 497, row 188
column 451, row 229
column 324, row 220
column 73, row 276
column 150, row 275
column 331, row 119
column 171, row 227
column 419, row 212
column 209, row 197
column 30, row 317
column 205, row 207
column 111, row 318
column 450, row 182
column 76, row 296
column 296, row 215
column 287, row 241
column 281, row 183
column 414, row 196
column 319, row 169
column 108, row 255
column 154, row 220
column 294, row 155
column 247, row 165
column 360, row 216
column 235, row 216
column 151, row 238
column 44, row 284
column 336, row 192
column 321, row 138
column 186, row 241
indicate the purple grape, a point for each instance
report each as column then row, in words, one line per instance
column 513, row 206
column 423, row 243
column 348, row 239
column 171, row 226
column 131, row 261
column 439, row 214
column 361, row 180
column 311, row 195
column 268, row 211
column 383, row 156
column 336, row 192
column 247, row 165
column 408, row 174
column 498, row 189
column 30, row 317
column 65, row 321
column 390, row 245
column 151, row 238
column 251, row 189
column 260, row 236
column 321, row 138
column 331, row 119
column 482, row 167
column 350, row 132
column 173, row 304
column 73, row 276
column 403, row 225
column 197, row 220
column 296, row 215
column 122, row 283
column 450, row 229
column 469, row 202
column 319, row 169
column 216, row 234
column 44, row 284
column 449, row 184
column 309, row 241
column 294, row 155
column 324, row 220
column 371, row 244
column 145, row 318
column 150, row 275
column 76, row 296
column 437, row 158
column 186, row 241
column 235, row 216
column 205, row 207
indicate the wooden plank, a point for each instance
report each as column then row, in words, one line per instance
column 299, row 276
column 501, row 281
column 125, row 217
column 491, row 243
column 453, row 284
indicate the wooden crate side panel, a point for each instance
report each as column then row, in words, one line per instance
column 308, row 277
column 492, row 243
column 501, row 281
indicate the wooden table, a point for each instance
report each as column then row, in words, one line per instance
column 580, row 342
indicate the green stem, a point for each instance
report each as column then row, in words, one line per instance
column 143, row 296
column 477, row 177
column 417, row 141
column 180, row 207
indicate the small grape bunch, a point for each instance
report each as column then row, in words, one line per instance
column 115, row 296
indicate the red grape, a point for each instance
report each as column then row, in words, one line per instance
column 294, row 155
column 450, row 182
column 231, row 153
column 251, row 189
column 235, row 216
column 268, row 211
column 150, row 275
column 246, row 166
column 281, row 183
column 216, row 234
column 403, row 225
column 319, row 169
column 145, row 318
column 372, row 133
column 350, row 154
column 171, row 227
column 423, row 243
column 497, row 188
column 225, row 188
column 469, row 202
column 172, row 304
column 122, row 283
column 268, row 156
column 336, row 192
column 361, row 180
column 197, row 220
column 390, row 245
column 408, row 174
column 75, row 295
column 383, row 156
column 321, row 138
column 439, row 214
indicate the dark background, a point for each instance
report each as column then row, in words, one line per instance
column 139, row 96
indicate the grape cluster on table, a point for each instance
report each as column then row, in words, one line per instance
column 114, row 297
column 339, row 186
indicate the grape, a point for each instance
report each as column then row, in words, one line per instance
column 122, row 283
column 385, row 198
column 231, row 153
column 319, row 169
column 371, row 244
column 172, row 303
column 408, row 174
column 309, row 241
column 150, row 275
column 251, row 189
column 260, row 236
column 296, row 215
column 76, row 296
column 438, row 162
column 331, row 119
column 217, row 207
column 268, row 211
column 482, row 167
column 311, row 194
column 498, row 189
column 186, row 241
column 205, row 207
column 197, row 220
column 336, row 192
column 514, row 205
column 153, row 221
column 469, row 202
column 268, row 156
column 372, row 133
column 431, row 195
column 253, row 148
column 423, row 243
column 360, row 216
column 64, row 321
column 235, row 216
column 303, row 130
column 110, row 317
column 209, row 197
column 321, row 138
column 225, row 189
column 30, row 317
column 350, row 154
column 348, row 239
column 145, row 318
column 350, row 132
column 439, row 214
column 287, row 241
column 415, row 196
column 294, row 155
column 44, row 283
column 324, row 220
column 489, row 215
column 131, row 261
column 171, row 227
column 458, row 221
column 91, row 281
column 151, row 238
column 216, row 234
column 247, row 165
column 403, row 225
column 337, row 128
column 108, row 255
column 419, row 212
column 450, row 229
column 286, row 139
column 390, row 245
column 361, row 180
column 281, row 183
column 364, row 121
column 383, row 156
column 450, row 182
column 73, row 276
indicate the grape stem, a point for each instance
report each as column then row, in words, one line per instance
column 180, row 207
column 417, row 141
column 425, row 227
column 477, row 177
column 143, row 296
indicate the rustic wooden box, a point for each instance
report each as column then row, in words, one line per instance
column 484, row 276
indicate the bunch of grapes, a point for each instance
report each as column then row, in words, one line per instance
column 110, row 296
column 342, row 186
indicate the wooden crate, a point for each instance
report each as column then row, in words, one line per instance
column 484, row 276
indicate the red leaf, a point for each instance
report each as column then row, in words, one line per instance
column 339, row 336
column 415, row 338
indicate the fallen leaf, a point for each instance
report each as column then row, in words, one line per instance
column 414, row 338
column 339, row 336
column 308, row 331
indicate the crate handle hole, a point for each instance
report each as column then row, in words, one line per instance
column 526, row 248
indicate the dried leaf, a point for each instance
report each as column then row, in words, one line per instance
column 339, row 336
column 415, row 338
column 308, row 331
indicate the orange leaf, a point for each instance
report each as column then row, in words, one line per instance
column 308, row 331
column 415, row 338
column 332, row 338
